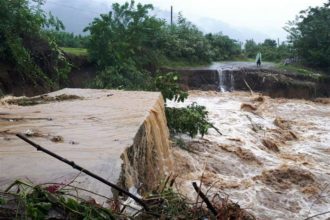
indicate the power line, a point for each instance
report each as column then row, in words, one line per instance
column 74, row 8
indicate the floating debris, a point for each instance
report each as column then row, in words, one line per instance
column 43, row 99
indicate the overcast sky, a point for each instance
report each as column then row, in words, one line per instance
column 267, row 16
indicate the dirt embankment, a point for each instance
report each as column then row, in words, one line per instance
column 14, row 83
column 268, row 81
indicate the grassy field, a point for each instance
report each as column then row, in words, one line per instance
column 75, row 51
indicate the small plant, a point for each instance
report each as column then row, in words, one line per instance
column 169, row 87
column 45, row 202
column 191, row 120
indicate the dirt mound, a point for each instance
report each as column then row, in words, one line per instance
column 285, row 177
column 244, row 154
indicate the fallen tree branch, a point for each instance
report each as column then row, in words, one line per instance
column 205, row 199
column 89, row 173
column 212, row 126
column 215, row 128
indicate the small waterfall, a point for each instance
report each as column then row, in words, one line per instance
column 232, row 82
column 221, row 81
column 226, row 80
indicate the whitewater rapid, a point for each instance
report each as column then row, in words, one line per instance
column 273, row 158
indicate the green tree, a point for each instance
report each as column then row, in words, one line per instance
column 310, row 36
column 125, row 33
column 251, row 48
column 125, row 45
column 223, row 47
column 184, row 41
column 269, row 43
column 65, row 39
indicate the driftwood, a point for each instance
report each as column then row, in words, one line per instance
column 212, row 126
column 205, row 199
column 251, row 91
column 81, row 169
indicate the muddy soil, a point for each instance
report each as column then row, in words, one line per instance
column 273, row 157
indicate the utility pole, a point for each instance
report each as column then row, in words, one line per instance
column 171, row 15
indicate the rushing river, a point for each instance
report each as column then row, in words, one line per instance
column 273, row 158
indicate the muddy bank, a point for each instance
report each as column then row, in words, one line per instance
column 97, row 129
column 193, row 79
column 12, row 82
column 270, row 161
column 83, row 71
column 268, row 81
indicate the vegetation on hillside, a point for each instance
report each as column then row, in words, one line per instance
column 129, row 45
column 310, row 36
column 26, row 46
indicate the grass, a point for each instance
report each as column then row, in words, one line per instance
column 299, row 69
column 75, row 51
column 182, row 63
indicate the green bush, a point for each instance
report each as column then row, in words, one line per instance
column 191, row 120
column 169, row 87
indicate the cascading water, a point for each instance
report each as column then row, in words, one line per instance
column 221, row 81
column 272, row 162
column 226, row 80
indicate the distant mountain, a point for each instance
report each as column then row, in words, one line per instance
column 77, row 14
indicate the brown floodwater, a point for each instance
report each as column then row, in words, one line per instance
column 273, row 158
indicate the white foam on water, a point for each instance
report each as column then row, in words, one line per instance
column 289, row 184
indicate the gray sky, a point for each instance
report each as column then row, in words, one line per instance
column 267, row 16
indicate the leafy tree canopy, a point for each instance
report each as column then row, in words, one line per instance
column 310, row 35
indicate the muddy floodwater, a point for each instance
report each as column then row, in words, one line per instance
column 273, row 158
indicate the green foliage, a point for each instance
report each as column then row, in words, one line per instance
column 269, row 49
column 64, row 39
column 169, row 87
column 25, row 45
column 127, row 33
column 183, row 41
column 37, row 202
column 123, row 44
column 191, row 120
column 123, row 76
column 310, row 36
column 222, row 47
column 75, row 51
column 130, row 36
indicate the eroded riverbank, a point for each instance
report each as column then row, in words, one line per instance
column 273, row 158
